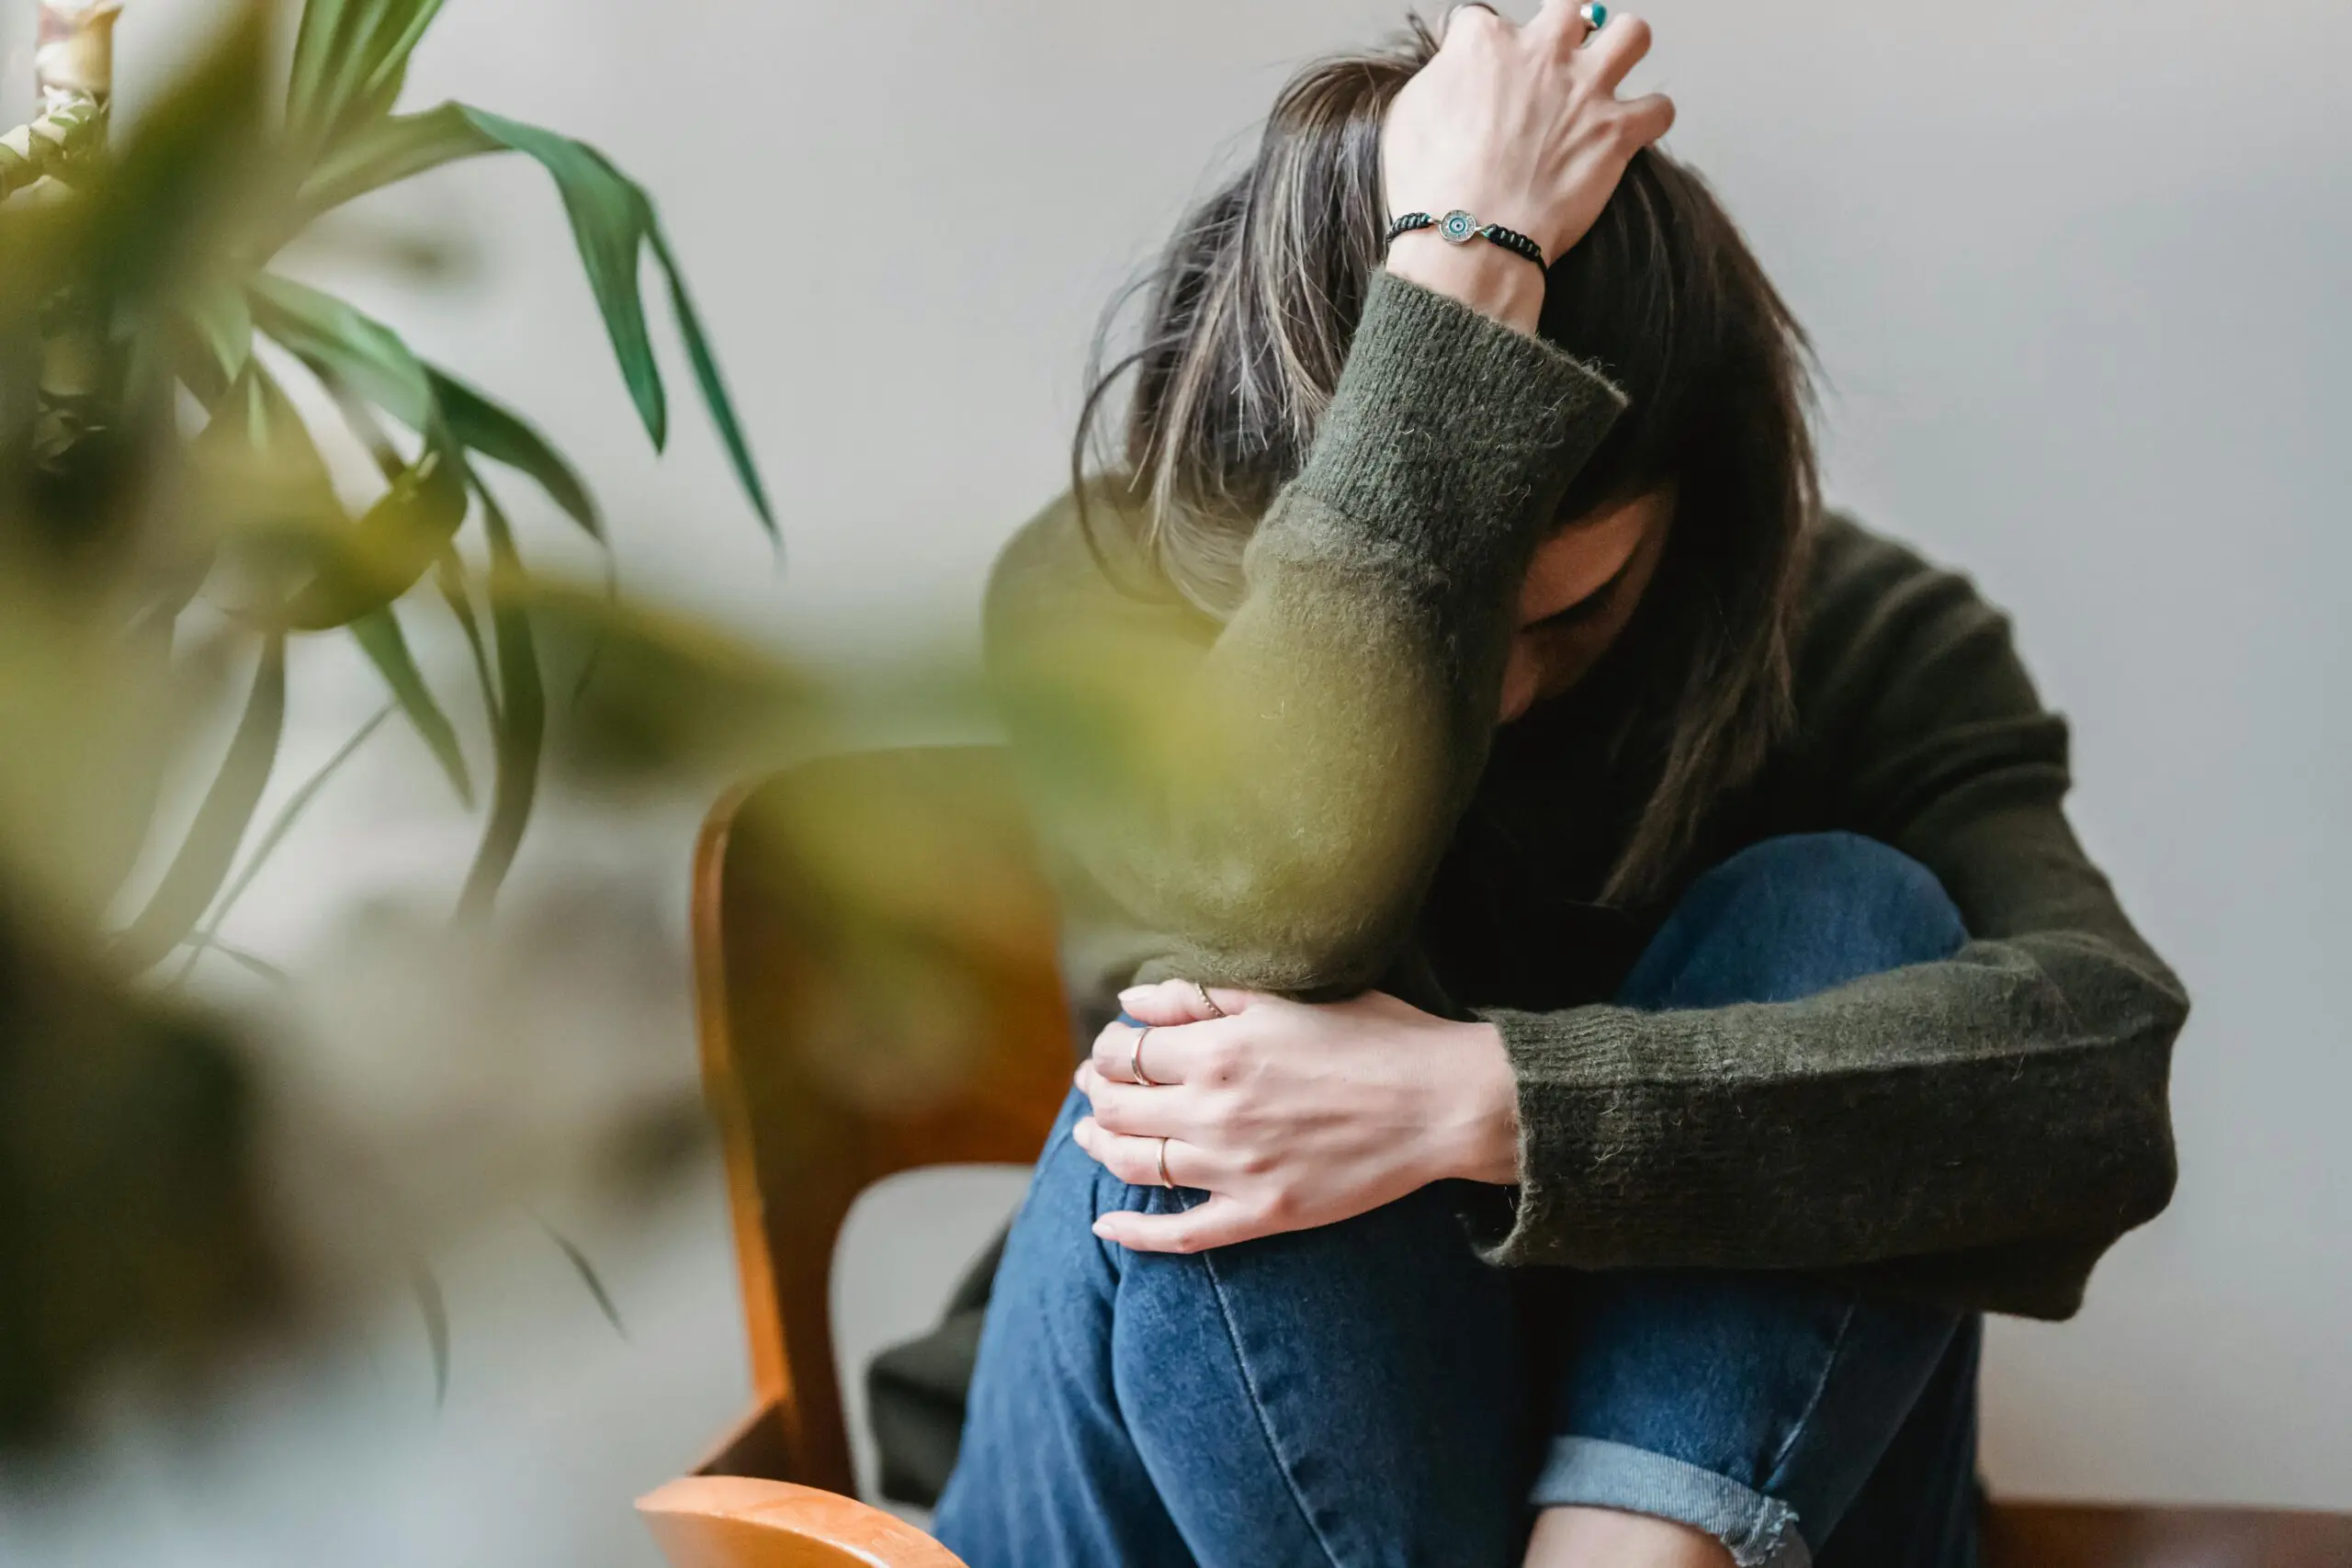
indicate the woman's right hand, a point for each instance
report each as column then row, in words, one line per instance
column 1520, row 125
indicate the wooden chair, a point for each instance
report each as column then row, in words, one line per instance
column 874, row 954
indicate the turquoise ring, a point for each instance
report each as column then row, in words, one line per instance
column 1595, row 15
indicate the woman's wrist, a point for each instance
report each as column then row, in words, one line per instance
column 1490, row 281
column 1480, row 1092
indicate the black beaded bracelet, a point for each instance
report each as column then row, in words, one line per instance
column 1458, row 228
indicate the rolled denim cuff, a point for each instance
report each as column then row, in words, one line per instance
column 1592, row 1472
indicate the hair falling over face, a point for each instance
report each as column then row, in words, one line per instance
column 1250, row 312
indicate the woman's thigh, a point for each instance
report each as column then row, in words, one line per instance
column 1351, row 1395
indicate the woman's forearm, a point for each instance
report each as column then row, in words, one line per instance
column 1262, row 803
column 1266, row 799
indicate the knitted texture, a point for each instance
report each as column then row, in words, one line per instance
column 1261, row 801
column 1976, row 1130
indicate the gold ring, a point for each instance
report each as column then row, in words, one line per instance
column 1209, row 1002
column 1136, row 1061
column 1165, row 1180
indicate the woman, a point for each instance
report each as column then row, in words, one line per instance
column 1583, row 1139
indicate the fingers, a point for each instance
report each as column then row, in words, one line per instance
column 1171, row 1002
column 1167, row 1052
column 1560, row 22
column 1136, row 1161
column 1476, row 13
column 1649, row 119
column 1133, row 1109
column 1615, row 49
column 1220, row 1222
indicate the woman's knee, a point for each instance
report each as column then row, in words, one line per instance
column 1795, row 915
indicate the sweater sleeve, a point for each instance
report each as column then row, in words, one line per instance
column 1259, row 803
column 1977, row 1132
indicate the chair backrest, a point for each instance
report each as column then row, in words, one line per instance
column 877, row 990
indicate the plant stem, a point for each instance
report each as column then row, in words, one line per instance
column 74, row 60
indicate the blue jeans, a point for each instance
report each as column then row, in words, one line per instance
column 1372, row 1393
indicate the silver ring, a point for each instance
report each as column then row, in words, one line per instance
column 1209, row 1002
column 1136, row 1061
column 1165, row 1180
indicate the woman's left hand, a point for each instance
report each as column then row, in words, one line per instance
column 1290, row 1114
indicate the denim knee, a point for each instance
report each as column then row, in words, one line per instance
column 1794, row 916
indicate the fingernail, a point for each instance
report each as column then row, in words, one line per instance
column 1133, row 994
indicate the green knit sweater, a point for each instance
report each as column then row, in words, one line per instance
column 1311, row 796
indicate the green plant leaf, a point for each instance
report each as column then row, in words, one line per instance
column 405, row 533
column 394, row 545
column 449, row 576
column 255, row 417
column 380, row 637
column 588, row 1276
column 346, row 342
column 218, row 325
column 712, row 385
column 388, row 150
column 350, row 57
column 611, row 216
column 426, row 1286
column 502, row 435
column 208, row 939
column 613, row 223
column 523, row 711
column 211, row 848
column 253, row 963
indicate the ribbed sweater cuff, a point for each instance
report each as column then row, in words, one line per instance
column 1554, row 1059
column 1617, row 1164
column 1451, row 434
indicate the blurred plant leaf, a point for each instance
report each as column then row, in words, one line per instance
column 348, row 343
column 220, row 327
column 502, row 435
column 430, row 1304
column 211, row 848
column 588, row 1277
column 147, row 218
column 405, row 531
column 350, row 57
column 281, row 825
column 523, row 711
column 380, row 637
column 253, row 963
column 388, row 150
column 400, row 538
column 449, row 576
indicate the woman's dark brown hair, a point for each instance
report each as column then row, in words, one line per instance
column 1250, row 313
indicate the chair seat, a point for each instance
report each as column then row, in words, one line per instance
column 727, row 1522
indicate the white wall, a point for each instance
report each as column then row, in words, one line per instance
column 2077, row 271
